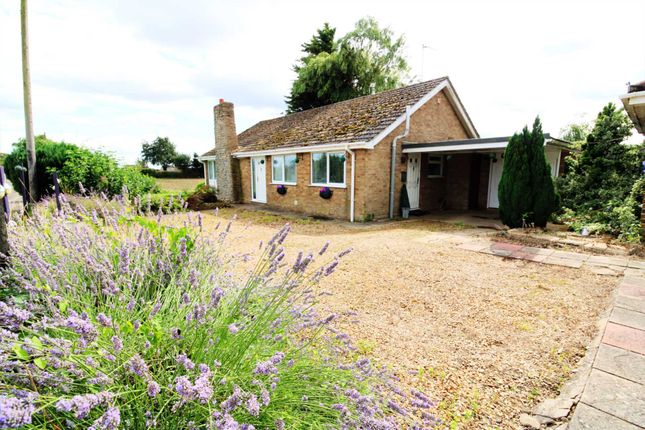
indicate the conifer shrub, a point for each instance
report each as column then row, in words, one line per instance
column 526, row 193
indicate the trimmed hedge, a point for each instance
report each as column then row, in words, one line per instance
column 190, row 173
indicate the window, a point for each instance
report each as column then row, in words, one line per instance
column 212, row 177
column 435, row 166
column 284, row 169
column 328, row 168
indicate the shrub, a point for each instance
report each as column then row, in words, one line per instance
column 50, row 156
column 526, row 192
column 97, row 171
column 600, row 189
column 110, row 318
column 173, row 174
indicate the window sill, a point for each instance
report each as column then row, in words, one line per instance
column 293, row 184
column 329, row 185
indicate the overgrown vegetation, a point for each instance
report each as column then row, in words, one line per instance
column 114, row 319
column 602, row 190
column 367, row 60
column 526, row 192
column 98, row 171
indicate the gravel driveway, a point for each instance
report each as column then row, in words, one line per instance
column 487, row 337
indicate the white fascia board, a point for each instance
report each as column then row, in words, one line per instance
column 461, row 111
column 207, row 158
column 458, row 148
column 301, row 149
column 636, row 98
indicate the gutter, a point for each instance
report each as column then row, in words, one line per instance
column 351, row 193
column 393, row 159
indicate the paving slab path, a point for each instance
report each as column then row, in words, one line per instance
column 609, row 392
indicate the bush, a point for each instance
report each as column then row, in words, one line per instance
column 526, row 192
column 112, row 318
column 50, row 157
column 97, row 171
column 603, row 185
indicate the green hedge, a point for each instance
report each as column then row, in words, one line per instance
column 96, row 170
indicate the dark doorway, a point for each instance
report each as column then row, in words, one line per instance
column 473, row 187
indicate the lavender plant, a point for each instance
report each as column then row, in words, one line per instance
column 112, row 317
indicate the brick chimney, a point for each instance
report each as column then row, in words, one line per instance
column 227, row 167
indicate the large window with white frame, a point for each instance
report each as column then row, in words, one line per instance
column 328, row 168
column 435, row 166
column 284, row 169
column 212, row 173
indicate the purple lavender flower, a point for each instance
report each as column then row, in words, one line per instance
column 324, row 248
column 155, row 309
column 16, row 412
column 81, row 325
column 279, row 425
column 11, row 317
column 117, row 343
column 185, row 361
column 138, row 366
column 232, row 328
column 265, row 397
column 153, row 388
column 184, row 388
column 81, row 405
column 331, row 267
column 396, row 407
column 110, row 420
column 104, row 320
column 233, row 401
column 203, row 388
column 216, row 296
column 130, row 305
column 175, row 333
column 253, row 406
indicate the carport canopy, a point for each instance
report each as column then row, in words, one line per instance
column 489, row 144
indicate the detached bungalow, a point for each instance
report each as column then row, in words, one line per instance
column 349, row 160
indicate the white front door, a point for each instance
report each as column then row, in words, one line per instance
column 258, row 180
column 413, row 179
column 496, row 168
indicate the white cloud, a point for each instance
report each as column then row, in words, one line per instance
column 111, row 74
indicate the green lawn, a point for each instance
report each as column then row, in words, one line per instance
column 177, row 185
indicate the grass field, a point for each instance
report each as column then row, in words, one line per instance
column 177, row 185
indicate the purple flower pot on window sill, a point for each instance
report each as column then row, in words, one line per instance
column 326, row 193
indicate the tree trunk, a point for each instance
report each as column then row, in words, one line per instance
column 26, row 83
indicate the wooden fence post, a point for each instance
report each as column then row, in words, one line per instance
column 4, row 218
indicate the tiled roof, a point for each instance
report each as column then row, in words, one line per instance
column 209, row 153
column 356, row 120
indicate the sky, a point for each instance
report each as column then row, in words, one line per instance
column 110, row 74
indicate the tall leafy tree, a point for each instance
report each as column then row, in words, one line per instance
column 161, row 152
column 367, row 60
column 576, row 132
column 526, row 192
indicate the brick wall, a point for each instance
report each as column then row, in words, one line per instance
column 434, row 121
column 302, row 197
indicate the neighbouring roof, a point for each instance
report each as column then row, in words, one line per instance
column 634, row 102
column 475, row 145
column 210, row 153
column 356, row 120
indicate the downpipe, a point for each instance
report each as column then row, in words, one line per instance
column 395, row 141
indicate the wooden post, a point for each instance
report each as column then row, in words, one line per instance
column 29, row 122
column 57, row 192
column 4, row 217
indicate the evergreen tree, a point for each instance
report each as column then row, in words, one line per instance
column 526, row 192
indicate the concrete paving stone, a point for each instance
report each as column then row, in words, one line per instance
column 619, row 362
column 506, row 246
column 587, row 418
column 630, row 303
column 554, row 408
column 473, row 246
column 627, row 317
column 616, row 396
column 606, row 271
column 635, row 273
column 528, row 256
column 634, row 280
column 629, row 338
column 537, row 251
column 570, row 255
column 630, row 290
column 636, row 264
column 604, row 260
column 563, row 262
